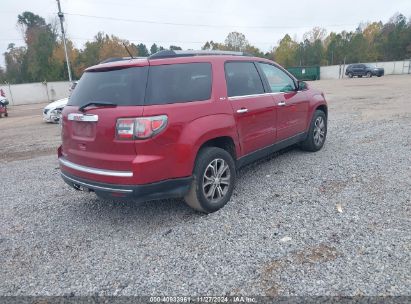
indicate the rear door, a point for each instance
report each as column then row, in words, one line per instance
column 89, row 136
column 362, row 69
column 291, row 105
column 356, row 69
column 254, row 109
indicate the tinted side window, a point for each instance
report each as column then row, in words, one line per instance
column 242, row 79
column 178, row 83
column 277, row 79
column 124, row 87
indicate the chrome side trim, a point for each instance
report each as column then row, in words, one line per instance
column 94, row 170
column 95, row 187
column 253, row 95
column 82, row 117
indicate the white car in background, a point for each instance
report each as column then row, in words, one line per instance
column 52, row 112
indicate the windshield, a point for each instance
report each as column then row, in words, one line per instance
column 124, row 87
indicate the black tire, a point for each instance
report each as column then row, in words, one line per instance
column 350, row 75
column 359, row 76
column 6, row 114
column 369, row 74
column 311, row 143
column 197, row 198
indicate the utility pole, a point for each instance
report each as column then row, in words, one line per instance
column 301, row 54
column 63, row 35
column 343, row 71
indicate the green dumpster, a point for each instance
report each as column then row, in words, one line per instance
column 305, row 73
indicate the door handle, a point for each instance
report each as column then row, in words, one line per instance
column 241, row 111
column 281, row 103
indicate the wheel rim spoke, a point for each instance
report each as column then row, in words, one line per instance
column 208, row 178
column 225, row 181
column 219, row 191
column 223, row 169
column 322, row 125
column 214, row 167
column 211, row 191
column 207, row 183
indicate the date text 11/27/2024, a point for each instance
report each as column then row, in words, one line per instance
column 203, row 299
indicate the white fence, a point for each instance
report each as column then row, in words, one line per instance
column 28, row 93
column 390, row 68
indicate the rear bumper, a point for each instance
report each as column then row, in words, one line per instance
column 94, row 171
column 172, row 188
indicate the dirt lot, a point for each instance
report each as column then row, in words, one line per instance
column 335, row 222
column 370, row 98
column 25, row 135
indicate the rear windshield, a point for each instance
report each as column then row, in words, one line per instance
column 165, row 84
column 122, row 87
column 178, row 83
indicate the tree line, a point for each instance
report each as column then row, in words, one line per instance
column 43, row 59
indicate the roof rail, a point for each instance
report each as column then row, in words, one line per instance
column 113, row 59
column 173, row 54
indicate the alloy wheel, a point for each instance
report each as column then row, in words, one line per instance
column 216, row 180
column 319, row 131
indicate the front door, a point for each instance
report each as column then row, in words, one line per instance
column 292, row 105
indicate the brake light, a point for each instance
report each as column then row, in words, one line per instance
column 140, row 128
column 143, row 128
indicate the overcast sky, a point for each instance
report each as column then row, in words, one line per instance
column 190, row 23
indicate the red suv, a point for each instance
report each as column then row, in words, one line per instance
column 180, row 123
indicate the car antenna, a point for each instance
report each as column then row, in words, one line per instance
column 128, row 51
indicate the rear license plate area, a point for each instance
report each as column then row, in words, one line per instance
column 84, row 129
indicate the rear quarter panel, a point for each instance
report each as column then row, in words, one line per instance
column 189, row 125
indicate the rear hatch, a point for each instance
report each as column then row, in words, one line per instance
column 102, row 96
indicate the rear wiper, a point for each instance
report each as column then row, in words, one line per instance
column 97, row 103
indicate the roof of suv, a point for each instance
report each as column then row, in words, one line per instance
column 173, row 57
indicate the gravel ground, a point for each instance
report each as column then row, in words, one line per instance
column 281, row 234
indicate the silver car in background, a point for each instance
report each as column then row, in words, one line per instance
column 52, row 112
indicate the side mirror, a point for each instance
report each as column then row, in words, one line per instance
column 301, row 85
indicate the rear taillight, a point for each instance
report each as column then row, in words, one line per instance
column 125, row 128
column 140, row 128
